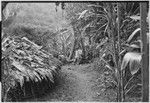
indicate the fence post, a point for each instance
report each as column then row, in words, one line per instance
column 145, row 53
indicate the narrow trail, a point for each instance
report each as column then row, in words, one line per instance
column 75, row 83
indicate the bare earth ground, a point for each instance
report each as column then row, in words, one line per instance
column 75, row 83
column 80, row 83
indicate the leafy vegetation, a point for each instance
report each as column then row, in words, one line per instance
column 108, row 33
column 27, row 62
column 117, row 23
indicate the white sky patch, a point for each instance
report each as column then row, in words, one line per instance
column 0, row 10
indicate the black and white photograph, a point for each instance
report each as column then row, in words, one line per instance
column 75, row 51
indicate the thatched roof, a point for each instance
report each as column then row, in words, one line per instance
column 24, row 61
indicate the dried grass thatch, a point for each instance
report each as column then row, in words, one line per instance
column 27, row 69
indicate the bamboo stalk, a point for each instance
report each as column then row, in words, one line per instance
column 120, row 83
column 145, row 53
column 113, row 31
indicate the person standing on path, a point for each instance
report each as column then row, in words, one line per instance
column 78, row 56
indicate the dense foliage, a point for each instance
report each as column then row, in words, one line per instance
column 108, row 33
column 116, row 24
column 27, row 60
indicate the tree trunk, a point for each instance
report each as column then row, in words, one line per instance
column 72, row 49
column 83, row 47
column 74, row 44
column 77, row 34
column 145, row 56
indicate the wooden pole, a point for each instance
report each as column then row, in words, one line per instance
column 145, row 53
column 120, row 99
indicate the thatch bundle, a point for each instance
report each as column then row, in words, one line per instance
column 27, row 69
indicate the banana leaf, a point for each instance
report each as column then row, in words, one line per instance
column 134, row 35
column 133, row 59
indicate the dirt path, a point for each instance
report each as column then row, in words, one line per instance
column 75, row 83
